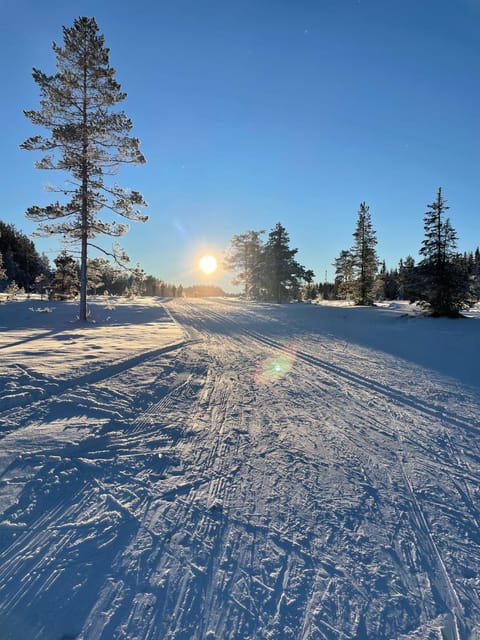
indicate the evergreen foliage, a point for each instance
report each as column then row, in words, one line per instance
column 344, row 280
column 407, row 280
column 3, row 273
column 245, row 255
column 65, row 283
column 364, row 257
column 282, row 273
column 21, row 261
column 88, row 140
column 95, row 269
column 443, row 280
column 267, row 271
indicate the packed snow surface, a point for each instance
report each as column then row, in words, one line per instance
column 220, row 470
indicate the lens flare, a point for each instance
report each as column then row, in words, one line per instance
column 275, row 367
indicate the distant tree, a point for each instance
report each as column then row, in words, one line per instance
column 408, row 280
column 440, row 242
column 13, row 290
column 391, row 285
column 282, row 274
column 326, row 290
column 365, row 261
column 41, row 283
column 151, row 286
column 95, row 275
column 115, row 279
column 88, row 140
column 136, row 282
column 65, row 284
column 443, row 281
column 245, row 255
column 200, row 291
column 474, row 272
column 344, row 275
column 3, row 273
column 309, row 290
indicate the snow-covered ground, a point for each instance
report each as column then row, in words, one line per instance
column 219, row 470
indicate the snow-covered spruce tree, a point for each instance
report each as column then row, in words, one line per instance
column 443, row 283
column 365, row 261
column 245, row 256
column 88, row 139
column 282, row 273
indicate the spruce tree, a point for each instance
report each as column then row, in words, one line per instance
column 88, row 139
column 408, row 279
column 365, row 261
column 65, row 283
column 443, row 281
column 344, row 284
column 282, row 273
column 245, row 256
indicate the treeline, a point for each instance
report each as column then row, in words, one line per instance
column 444, row 281
column 22, row 268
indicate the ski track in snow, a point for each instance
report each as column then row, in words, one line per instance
column 252, row 479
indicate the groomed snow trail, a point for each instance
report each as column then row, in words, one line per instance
column 263, row 477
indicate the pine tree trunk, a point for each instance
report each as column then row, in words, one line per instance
column 84, row 212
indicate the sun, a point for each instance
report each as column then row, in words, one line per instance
column 208, row 264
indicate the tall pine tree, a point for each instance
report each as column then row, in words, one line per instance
column 365, row 261
column 88, row 139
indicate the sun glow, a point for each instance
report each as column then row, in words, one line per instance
column 208, row 264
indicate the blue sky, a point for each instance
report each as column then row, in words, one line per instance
column 256, row 112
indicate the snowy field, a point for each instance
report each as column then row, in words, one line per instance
column 218, row 470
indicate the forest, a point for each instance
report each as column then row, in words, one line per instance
column 444, row 281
